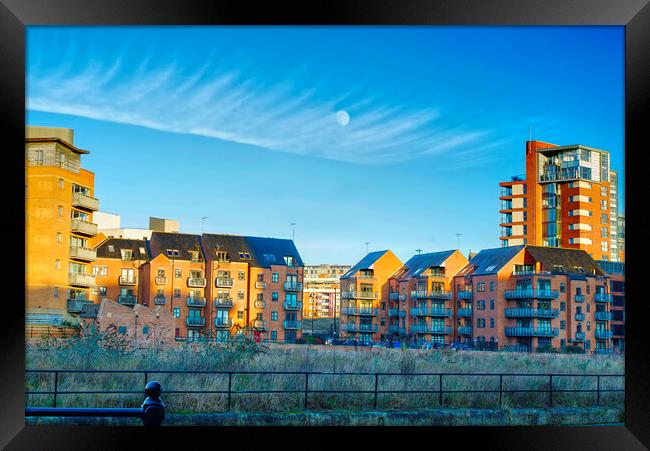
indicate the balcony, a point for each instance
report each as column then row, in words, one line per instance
column 259, row 324
column 76, row 305
column 603, row 316
column 354, row 327
column 430, row 329
column 465, row 294
column 292, row 286
column 291, row 325
column 465, row 330
column 128, row 280
column 579, row 298
column 292, row 306
column 580, row 316
column 195, row 321
column 464, row 312
column 81, row 200
column 603, row 297
column 529, row 293
column 259, row 303
column 437, row 312
column 396, row 313
column 359, row 295
column 221, row 322
column 195, row 302
column 260, row 284
column 393, row 296
column 431, row 295
column 82, row 227
column 603, row 334
column 160, row 300
column 83, row 253
column 196, row 282
column 360, row 311
column 81, row 280
column 392, row 329
column 127, row 299
column 603, row 351
column 161, row 280
column 224, row 282
column 531, row 332
column 224, row 302
column 580, row 336
column 531, row 313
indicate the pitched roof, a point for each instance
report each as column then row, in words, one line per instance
column 263, row 252
column 365, row 263
column 232, row 244
column 160, row 242
column 563, row 260
column 110, row 248
column 417, row 264
column 490, row 261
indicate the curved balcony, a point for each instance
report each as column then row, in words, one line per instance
column 128, row 280
column 195, row 302
column 160, row 300
column 603, row 316
column 580, row 336
column 531, row 332
column 259, row 324
column 161, row 280
column 222, row 323
column 529, row 293
column 531, row 313
column 292, row 286
column 291, row 325
column 196, row 282
column 445, row 295
column 360, row 311
column 354, row 327
column 603, row 297
column 603, row 334
column 259, row 303
column 260, row 285
column 195, row 321
column 430, row 329
column 465, row 330
column 127, row 299
column 465, row 294
column 436, row 312
column 224, row 302
column 580, row 316
column 464, row 312
column 396, row 313
column 292, row 306
column 224, row 282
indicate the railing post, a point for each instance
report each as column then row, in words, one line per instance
column 56, row 386
column 440, row 389
column 598, row 389
column 550, row 390
column 500, row 390
column 146, row 378
column 153, row 409
column 306, row 388
column 376, row 380
column 229, row 388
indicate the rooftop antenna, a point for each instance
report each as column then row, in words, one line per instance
column 367, row 243
column 530, row 132
column 458, row 235
column 293, row 231
column 418, row 250
column 203, row 218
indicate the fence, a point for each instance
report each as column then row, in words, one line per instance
column 47, row 331
column 309, row 385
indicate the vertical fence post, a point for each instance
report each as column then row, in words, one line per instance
column 500, row 390
column 598, row 389
column 306, row 388
column 229, row 388
column 440, row 388
column 550, row 390
column 146, row 378
column 376, row 380
column 56, row 386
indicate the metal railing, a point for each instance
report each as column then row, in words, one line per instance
column 127, row 299
column 465, row 312
column 435, row 294
column 531, row 332
column 367, row 311
column 292, row 306
column 260, row 284
column 499, row 385
column 603, row 316
column 196, row 282
column 359, row 295
column 580, row 336
column 579, row 298
column 465, row 294
column 195, row 321
column 603, row 334
column 127, row 280
column 291, row 325
column 465, row 330
column 524, row 312
column 196, row 302
column 292, row 286
column 161, row 280
column 580, row 316
column 222, row 322
column 160, row 300
column 354, row 327
column 396, row 312
column 433, row 311
column 393, row 329
column 430, row 329
column 76, row 305
column 225, row 282
column 224, row 302
column 259, row 303
column 529, row 293
column 602, row 297
column 393, row 296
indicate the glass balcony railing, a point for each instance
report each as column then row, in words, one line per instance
column 465, row 294
column 579, row 298
column 393, row 329
column 161, row 280
column 84, row 201
column 292, row 286
column 465, row 312
column 292, row 306
column 465, row 330
column 76, row 305
column 531, row 332
column 580, row 316
column 260, row 324
column 394, row 312
column 82, row 227
column 393, row 296
column 222, row 322
column 430, row 329
column 531, row 313
column 359, row 295
column 83, row 253
column 259, row 303
column 260, row 284
column 354, row 327
column 291, row 325
column 580, row 336
column 160, row 300
column 127, row 299
column 603, row 316
column 195, row 321
column 81, row 279
column 603, row 334
column 529, row 293
column 360, row 311
column 436, row 294
column 128, row 280
column 195, row 302
column 224, row 302
column 437, row 312
column 602, row 297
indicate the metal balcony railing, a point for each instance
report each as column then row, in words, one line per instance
column 465, row 330
column 354, row 327
column 430, row 329
column 83, row 253
column 529, row 293
column 603, row 316
column 81, row 280
column 259, row 303
column 292, row 286
column 222, row 322
column 82, row 227
column 292, row 306
column 195, row 321
column 224, row 302
column 260, row 284
column 128, row 280
column 84, row 201
column 393, row 296
column 531, row 332
column 602, row 297
column 465, row 312
column 531, row 313
column 394, row 312
column 437, row 312
column 196, row 302
column 431, row 294
column 196, row 282
column 259, row 324
column 127, row 299
column 580, row 316
column 579, row 298
column 465, row 294
column 224, row 282
column 603, row 334
column 291, row 325
column 392, row 329
column 160, row 300
column 580, row 336
column 76, row 305
column 359, row 295
column 362, row 311
column 161, row 280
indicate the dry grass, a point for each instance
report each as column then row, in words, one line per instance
column 85, row 354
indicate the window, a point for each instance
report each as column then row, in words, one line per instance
column 127, row 254
column 587, row 345
column 491, row 323
column 289, row 260
column 480, row 286
column 603, row 218
column 603, row 204
column 588, row 325
column 604, row 232
column 241, row 275
column 177, row 292
column 61, row 183
column 59, row 237
column 240, row 314
column 194, row 256
column 480, row 305
column 603, row 246
column 274, row 335
column 562, row 287
column 275, row 277
column 56, row 292
column 145, row 330
column 60, row 210
column 122, row 329
column 274, row 296
column 240, row 294
column 177, row 312
column 178, row 273
column 222, row 256
column 57, row 263
column 102, row 291
column 161, row 273
column 491, row 304
column 103, row 270
column 492, row 288
column 480, row 323
column 588, row 308
column 603, row 191
column 383, row 321
column 562, row 324
column 93, row 290
column 274, row 316
column 563, row 306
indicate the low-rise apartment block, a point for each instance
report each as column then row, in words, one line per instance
column 616, row 273
column 322, row 290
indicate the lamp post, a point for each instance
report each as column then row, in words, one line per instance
column 135, row 332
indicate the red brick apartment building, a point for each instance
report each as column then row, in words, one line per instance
column 616, row 274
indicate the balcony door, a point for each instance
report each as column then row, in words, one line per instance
column 222, row 317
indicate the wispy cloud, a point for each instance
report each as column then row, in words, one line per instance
column 231, row 104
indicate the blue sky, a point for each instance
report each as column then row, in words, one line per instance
column 239, row 124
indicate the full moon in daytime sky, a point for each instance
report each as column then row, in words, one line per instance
column 342, row 117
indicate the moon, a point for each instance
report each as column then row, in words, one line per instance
column 342, row 118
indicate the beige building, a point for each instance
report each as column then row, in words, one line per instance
column 322, row 290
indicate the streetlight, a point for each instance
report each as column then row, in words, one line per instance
column 293, row 231
column 367, row 243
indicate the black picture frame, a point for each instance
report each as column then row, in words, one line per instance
column 633, row 14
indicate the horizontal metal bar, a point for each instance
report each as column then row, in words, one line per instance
column 81, row 412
